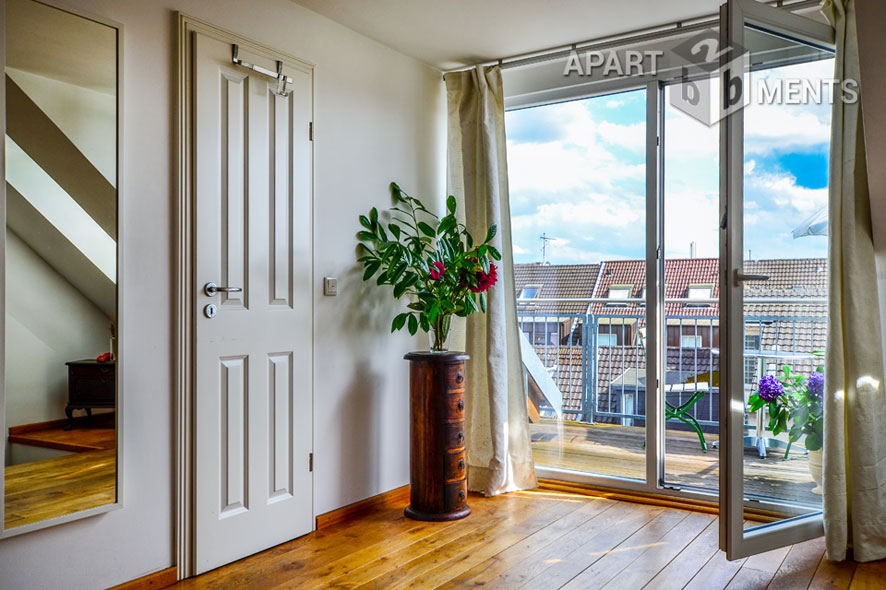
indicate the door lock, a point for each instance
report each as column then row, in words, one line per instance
column 210, row 311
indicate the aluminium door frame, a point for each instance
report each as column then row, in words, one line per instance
column 185, row 289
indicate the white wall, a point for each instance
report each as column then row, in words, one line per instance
column 379, row 116
column 48, row 322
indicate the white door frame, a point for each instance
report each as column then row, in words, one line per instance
column 185, row 286
column 734, row 539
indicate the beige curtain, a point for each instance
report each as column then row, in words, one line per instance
column 855, row 405
column 498, row 450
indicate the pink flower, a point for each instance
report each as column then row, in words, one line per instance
column 437, row 270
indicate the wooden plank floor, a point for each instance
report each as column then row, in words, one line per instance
column 53, row 487
column 618, row 450
column 539, row 539
column 95, row 435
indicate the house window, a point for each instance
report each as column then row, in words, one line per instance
column 619, row 292
column 701, row 291
column 690, row 341
column 607, row 340
column 529, row 292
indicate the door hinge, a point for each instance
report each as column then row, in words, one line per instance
column 311, row 131
column 310, row 461
column 658, row 252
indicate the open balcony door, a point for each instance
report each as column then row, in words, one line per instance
column 774, row 39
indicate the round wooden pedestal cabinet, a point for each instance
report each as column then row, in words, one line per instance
column 438, row 466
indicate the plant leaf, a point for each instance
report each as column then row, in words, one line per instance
column 483, row 302
column 399, row 321
column 373, row 216
column 413, row 324
column 371, row 269
column 450, row 204
column 367, row 236
column 491, row 233
column 426, row 229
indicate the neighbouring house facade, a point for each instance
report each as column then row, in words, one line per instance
column 594, row 349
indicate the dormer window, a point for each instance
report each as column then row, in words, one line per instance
column 619, row 292
column 529, row 292
column 700, row 292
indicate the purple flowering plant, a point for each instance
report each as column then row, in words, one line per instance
column 794, row 403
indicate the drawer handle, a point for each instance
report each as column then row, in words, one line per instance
column 461, row 464
column 461, row 437
column 459, row 378
column 461, row 404
column 461, row 495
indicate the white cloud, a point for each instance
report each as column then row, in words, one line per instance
column 614, row 104
column 631, row 137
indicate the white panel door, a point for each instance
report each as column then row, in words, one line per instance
column 253, row 485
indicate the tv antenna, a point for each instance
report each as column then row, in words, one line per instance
column 545, row 240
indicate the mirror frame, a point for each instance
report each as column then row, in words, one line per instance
column 121, row 332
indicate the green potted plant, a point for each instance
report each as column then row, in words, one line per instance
column 432, row 261
column 794, row 403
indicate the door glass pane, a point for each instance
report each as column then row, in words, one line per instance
column 691, row 318
column 578, row 214
column 786, row 147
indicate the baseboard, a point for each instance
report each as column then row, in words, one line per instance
column 703, row 506
column 155, row 581
column 398, row 497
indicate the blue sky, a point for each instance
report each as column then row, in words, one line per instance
column 577, row 174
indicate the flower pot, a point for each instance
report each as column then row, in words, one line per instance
column 815, row 470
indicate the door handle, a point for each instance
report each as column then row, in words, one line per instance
column 741, row 277
column 211, row 289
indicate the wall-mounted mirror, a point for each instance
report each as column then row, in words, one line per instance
column 60, row 389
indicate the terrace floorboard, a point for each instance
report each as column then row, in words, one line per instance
column 609, row 449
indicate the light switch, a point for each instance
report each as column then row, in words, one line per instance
column 330, row 286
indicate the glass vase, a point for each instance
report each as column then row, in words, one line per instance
column 438, row 335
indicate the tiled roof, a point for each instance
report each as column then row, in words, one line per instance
column 557, row 281
column 680, row 274
column 620, row 272
column 788, row 278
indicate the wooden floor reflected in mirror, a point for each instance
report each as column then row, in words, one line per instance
column 81, row 477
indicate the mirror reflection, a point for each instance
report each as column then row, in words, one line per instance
column 60, row 382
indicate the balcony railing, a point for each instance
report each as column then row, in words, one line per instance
column 597, row 359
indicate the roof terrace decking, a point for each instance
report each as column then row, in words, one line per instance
column 618, row 450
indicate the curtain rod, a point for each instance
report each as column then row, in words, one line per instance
column 635, row 36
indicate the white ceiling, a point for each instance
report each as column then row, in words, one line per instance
column 449, row 34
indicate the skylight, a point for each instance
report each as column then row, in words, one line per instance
column 619, row 292
column 700, row 291
column 60, row 209
column 530, row 291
